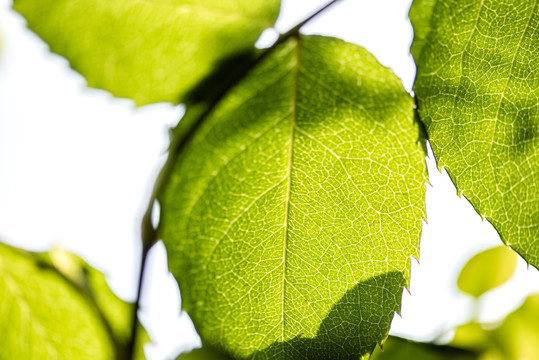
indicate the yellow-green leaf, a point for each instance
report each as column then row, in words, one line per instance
column 204, row 353
column 292, row 214
column 420, row 16
column 514, row 339
column 478, row 93
column 55, row 306
column 396, row 348
column 487, row 270
column 147, row 50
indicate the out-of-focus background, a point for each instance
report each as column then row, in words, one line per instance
column 77, row 167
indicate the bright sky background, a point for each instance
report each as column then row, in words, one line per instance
column 77, row 166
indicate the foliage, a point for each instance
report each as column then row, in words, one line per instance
column 487, row 270
column 280, row 192
column 477, row 89
column 150, row 50
column 515, row 338
column 41, row 290
column 292, row 198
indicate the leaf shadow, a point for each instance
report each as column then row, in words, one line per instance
column 225, row 73
column 353, row 327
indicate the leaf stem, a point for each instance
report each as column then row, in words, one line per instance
column 177, row 144
column 134, row 318
column 296, row 28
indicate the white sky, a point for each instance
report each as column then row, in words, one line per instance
column 76, row 168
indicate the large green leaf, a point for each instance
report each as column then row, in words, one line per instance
column 487, row 270
column 55, row 306
column 292, row 214
column 147, row 50
column 478, row 93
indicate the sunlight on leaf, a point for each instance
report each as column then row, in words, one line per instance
column 55, row 306
column 147, row 50
column 487, row 270
column 478, row 88
column 292, row 215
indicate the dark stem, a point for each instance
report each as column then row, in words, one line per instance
column 178, row 143
column 130, row 350
column 295, row 29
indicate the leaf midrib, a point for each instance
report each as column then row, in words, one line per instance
column 293, row 118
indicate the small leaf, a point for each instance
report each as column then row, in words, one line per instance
column 292, row 214
column 147, row 50
column 515, row 338
column 204, row 353
column 55, row 306
column 396, row 348
column 487, row 270
column 477, row 89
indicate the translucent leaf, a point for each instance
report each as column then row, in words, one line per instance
column 487, row 270
column 292, row 215
column 477, row 89
column 55, row 306
column 147, row 50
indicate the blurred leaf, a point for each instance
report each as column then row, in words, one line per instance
column 204, row 353
column 472, row 336
column 420, row 16
column 293, row 212
column 396, row 348
column 55, row 306
column 477, row 91
column 519, row 333
column 148, row 50
column 515, row 339
column 487, row 270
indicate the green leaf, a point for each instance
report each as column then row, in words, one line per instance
column 204, row 353
column 55, row 306
column 93, row 284
column 396, row 348
column 477, row 89
column 514, row 339
column 293, row 212
column 487, row 270
column 147, row 50
column 420, row 15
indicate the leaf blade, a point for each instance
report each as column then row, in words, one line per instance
column 477, row 92
column 49, row 311
column 249, row 198
column 420, row 15
column 487, row 270
column 147, row 50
